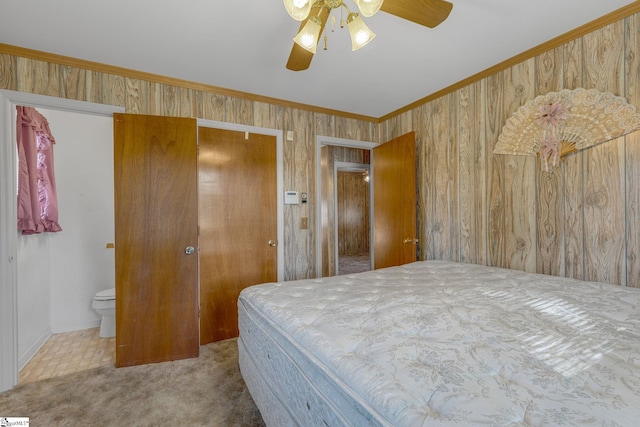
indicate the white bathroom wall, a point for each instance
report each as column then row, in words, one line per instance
column 81, row 264
column 59, row 273
column 34, row 294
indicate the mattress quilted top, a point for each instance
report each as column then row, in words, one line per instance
column 439, row 343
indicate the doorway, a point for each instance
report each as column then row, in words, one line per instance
column 353, row 212
column 328, row 149
column 393, row 206
column 8, row 236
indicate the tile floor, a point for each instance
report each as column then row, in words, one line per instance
column 69, row 352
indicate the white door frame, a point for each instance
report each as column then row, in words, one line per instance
column 280, row 176
column 340, row 142
column 8, row 208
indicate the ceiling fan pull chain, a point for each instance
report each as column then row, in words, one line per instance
column 333, row 22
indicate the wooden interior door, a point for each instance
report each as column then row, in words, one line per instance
column 238, row 220
column 156, row 219
column 394, row 202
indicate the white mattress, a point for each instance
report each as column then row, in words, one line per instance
column 438, row 343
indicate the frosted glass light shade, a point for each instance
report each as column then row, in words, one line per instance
column 298, row 9
column 368, row 7
column 360, row 33
column 308, row 37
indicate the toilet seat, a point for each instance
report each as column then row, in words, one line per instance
column 106, row 295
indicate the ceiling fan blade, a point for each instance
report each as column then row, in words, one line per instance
column 429, row 13
column 300, row 58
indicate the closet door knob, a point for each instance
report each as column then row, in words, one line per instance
column 189, row 250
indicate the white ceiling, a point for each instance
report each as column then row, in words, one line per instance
column 243, row 45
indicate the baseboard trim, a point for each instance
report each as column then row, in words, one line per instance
column 33, row 349
column 75, row 326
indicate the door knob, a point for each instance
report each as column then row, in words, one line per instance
column 273, row 243
column 189, row 250
column 410, row 240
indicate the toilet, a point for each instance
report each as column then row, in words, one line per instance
column 104, row 302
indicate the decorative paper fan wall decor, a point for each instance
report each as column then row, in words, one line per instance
column 559, row 123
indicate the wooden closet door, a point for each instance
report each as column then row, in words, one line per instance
column 394, row 201
column 156, row 220
column 238, row 219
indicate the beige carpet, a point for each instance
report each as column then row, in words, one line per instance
column 355, row 263
column 207, row 391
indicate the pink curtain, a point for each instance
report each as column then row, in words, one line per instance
column 37, row 201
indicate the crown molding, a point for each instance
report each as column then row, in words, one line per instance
column 171, row 81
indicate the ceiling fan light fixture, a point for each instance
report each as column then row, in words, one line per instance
column 368, row 7
column 361, row 35
column 298, row 9
column 308, row 37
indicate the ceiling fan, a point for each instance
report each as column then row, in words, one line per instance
column 315, row 13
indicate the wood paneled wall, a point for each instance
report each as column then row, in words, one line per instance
column 25, row 73
column 582, row 220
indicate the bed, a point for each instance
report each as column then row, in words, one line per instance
column 437, row 343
